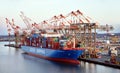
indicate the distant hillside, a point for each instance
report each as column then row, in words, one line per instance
column 102, row 35
column 6, row 36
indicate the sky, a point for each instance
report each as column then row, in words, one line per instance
column 102, row 11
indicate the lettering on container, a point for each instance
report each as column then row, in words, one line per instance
column 41, row 51
column 32, row 49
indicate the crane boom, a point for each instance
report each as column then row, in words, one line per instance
column 26, row 20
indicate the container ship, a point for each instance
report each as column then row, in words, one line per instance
column 58, row 38
column 54, row 47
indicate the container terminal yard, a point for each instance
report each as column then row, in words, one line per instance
column 62, row 44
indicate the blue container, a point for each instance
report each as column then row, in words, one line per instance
column 44, row 42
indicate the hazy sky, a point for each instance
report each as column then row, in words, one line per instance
column 103, row 11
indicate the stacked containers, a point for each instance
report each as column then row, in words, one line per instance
column 33, row 42
column 37, row 42
column 44, row 39
column 50, row 42
column 28, row 42
column 56, row 43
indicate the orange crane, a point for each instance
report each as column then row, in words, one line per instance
column 65, row 24
column 17, row 29
column 26, row 20
column 84, row 17
column 12, row 25
column 31, row 25
column 58, row 21
column 8, row 26
column 106, row 28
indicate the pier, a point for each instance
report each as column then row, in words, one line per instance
column 7, row 38
column 104, row 60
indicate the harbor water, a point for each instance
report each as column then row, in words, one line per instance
column 14, row 60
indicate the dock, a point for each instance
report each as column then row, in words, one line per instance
column 104, row 60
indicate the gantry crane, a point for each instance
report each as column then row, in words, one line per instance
column 16, row 30
column 11, row 24
column 74, row 23
column 26, row 20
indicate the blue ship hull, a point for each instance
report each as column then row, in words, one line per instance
column 66, row 56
